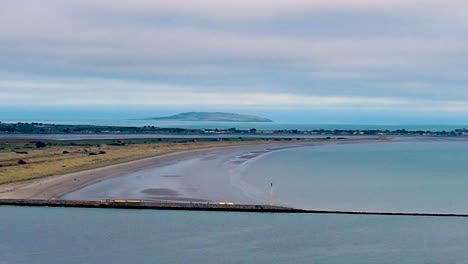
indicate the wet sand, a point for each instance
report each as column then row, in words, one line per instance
column 206, row 175
column 55, row 187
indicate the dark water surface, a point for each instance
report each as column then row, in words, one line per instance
column 71, row 235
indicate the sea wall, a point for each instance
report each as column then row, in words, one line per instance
column 139, row 204
column 225, row 207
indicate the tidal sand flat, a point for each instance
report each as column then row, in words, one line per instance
column 204, row 176
column 45, row 169
column 25, row 159
column 30, row 180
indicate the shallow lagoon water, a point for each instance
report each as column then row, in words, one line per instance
column 75, row 235
column 405, row 176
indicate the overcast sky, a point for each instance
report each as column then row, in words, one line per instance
column 407, row 56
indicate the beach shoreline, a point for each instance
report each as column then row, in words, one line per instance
column 57, row 187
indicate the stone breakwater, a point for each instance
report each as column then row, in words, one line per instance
column 139, row 204
column 223, row 206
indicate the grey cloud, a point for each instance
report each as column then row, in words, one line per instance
column 149, row 41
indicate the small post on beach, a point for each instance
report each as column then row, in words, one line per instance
column 271, row 193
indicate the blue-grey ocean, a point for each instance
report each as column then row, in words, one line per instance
column 65, row 235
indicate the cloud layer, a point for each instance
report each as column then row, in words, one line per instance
column 334, row 54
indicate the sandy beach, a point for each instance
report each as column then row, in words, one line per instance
column 203, row 175
column 56, row 186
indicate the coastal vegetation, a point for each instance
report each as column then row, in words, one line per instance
column 40, row 128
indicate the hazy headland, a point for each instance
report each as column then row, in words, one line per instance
column 212, row 116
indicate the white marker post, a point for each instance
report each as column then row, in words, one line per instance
column 271, row 193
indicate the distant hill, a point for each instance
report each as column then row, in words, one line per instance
column 211, row 116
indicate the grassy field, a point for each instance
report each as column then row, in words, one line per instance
column 23, row 160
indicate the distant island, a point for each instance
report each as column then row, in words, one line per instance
column 212, row 116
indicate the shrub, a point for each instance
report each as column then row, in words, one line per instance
column 40, row 144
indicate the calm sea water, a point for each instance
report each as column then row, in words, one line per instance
column 405, row 176
column 66, row 235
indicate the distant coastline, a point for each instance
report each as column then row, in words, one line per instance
column 48, row 129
